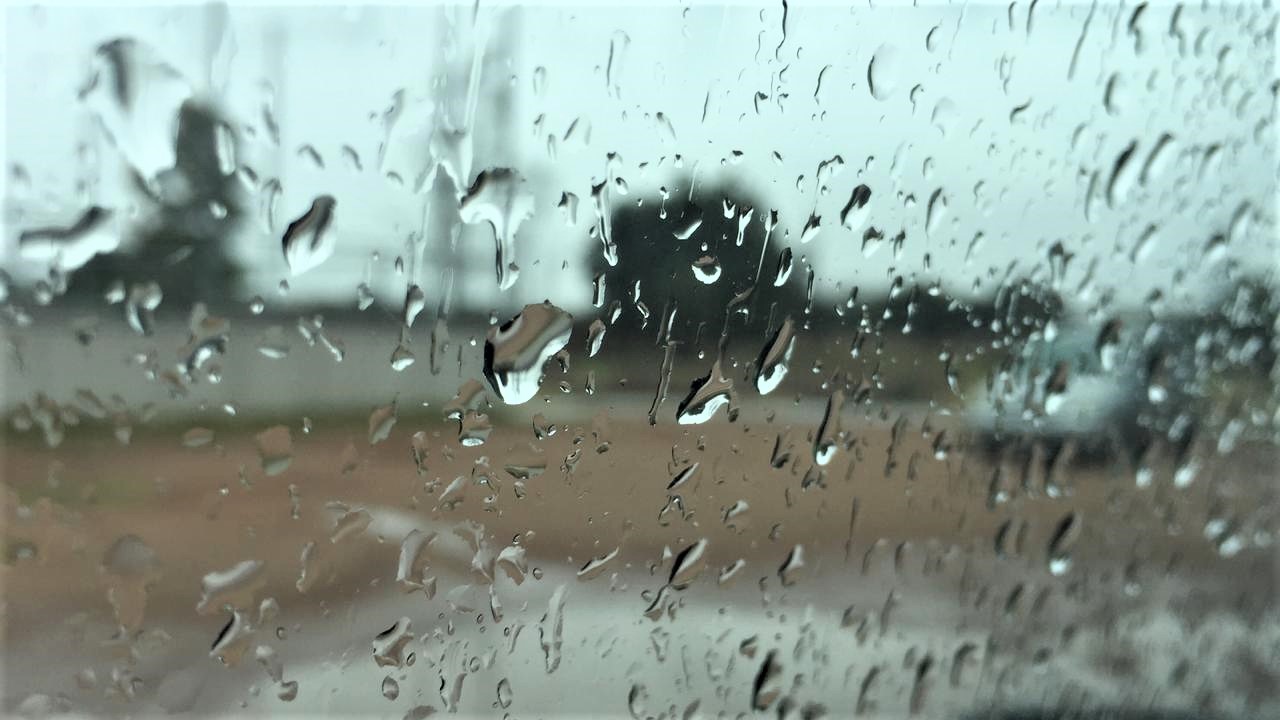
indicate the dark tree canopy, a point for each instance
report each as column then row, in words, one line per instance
column 652, row 253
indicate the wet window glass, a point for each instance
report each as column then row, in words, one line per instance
column 652, row 360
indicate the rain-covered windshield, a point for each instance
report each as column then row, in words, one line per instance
column 662, row 360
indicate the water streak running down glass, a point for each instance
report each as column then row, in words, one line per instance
column 651, row 360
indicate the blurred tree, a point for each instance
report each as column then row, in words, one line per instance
column 684, row 248
column 1016, row 308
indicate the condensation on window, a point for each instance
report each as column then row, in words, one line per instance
column 663, row 361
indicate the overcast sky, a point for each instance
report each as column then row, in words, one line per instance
column 1009, row 126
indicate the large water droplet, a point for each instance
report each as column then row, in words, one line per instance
column 411, row 569
column 597, row 565
column 937, row 208
column 466, row 407
column 309, row 240
column 735, row 516
column 1123, row 175
column 234, row 588
column 595, row 337
column 855, row 212
column 883, row 72
column 499, row 197
column 389, row 645
column 706, row 395
column 381, row 420
column 766, row 687
column 688, row 225
column 775, row 358
column 706, row 269
column 598, row 285
column 688, row 564
column 551, row 629
column 811, row 229
column 826, row 440
column 401, row 358
column 414, row 301
column 140, row 306
column 1157, row 159
column 233, row 640
column 514, row 562
column 390, row 688
column 504, row 693
column 783, row 272
column 683, row 477
column 791, row 567
column 515, row 352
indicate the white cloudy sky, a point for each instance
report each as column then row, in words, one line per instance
column 728, row 81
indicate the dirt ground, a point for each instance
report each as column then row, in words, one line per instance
column 204, row 509
column 955, row 538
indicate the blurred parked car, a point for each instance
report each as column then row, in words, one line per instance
column 1076, row 384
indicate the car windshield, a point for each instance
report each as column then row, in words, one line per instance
column 640, row 359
